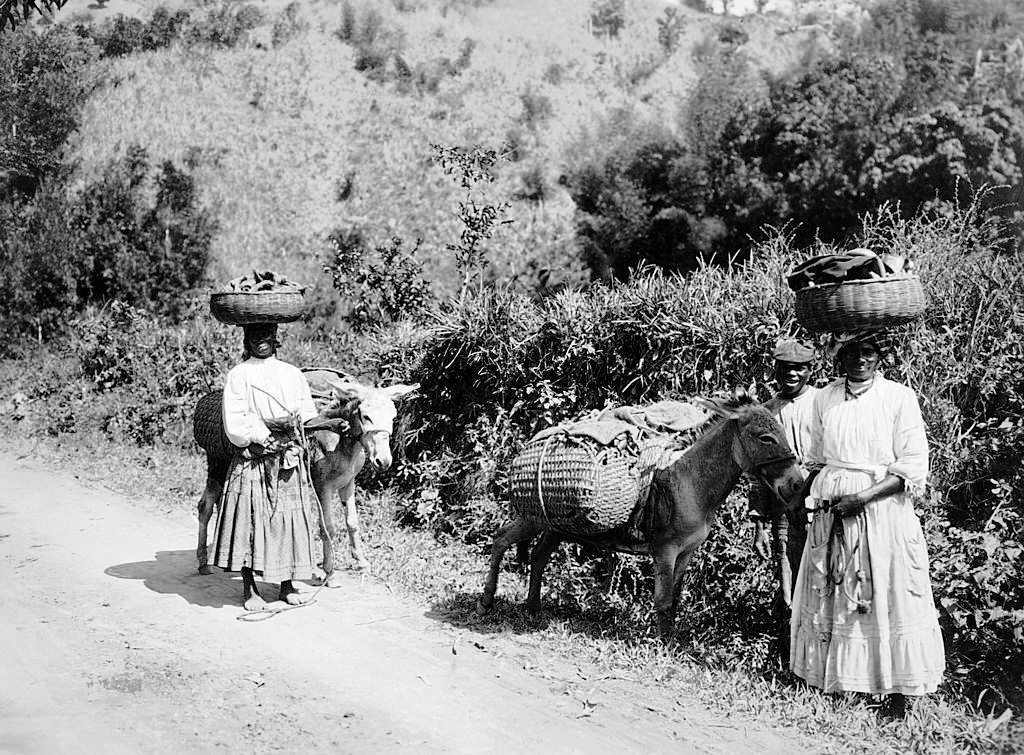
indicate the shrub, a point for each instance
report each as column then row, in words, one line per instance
column 380, row 288
column 152, row 373
column 607, row 17
column 44, row 81
column 134, row 235
column 123, row 35
column 40, row 286
column 636, row 188
column 147, row 256
column 225, row 25
column 670, row 25
column 500, row 366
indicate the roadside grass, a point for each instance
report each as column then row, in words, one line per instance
column 448, row 575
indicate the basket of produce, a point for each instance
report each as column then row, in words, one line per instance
column 580, row 483
column 854, row 291
column 266, row 297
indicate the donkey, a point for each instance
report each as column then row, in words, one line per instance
column 336, row 458
column 742, row 437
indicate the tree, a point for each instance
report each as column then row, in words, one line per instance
column 14, row 12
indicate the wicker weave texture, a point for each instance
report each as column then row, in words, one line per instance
column 253, row 307
column 576, row 486
column 863, row 304
column 208, row 426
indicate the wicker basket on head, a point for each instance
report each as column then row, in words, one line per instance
column 861, row 304
column 255, row 307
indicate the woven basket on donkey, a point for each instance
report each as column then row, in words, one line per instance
column 577, row 486
column 853, row 305
column 252, row 307
column 208, row 426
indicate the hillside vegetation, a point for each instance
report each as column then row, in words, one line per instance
column 535, row 209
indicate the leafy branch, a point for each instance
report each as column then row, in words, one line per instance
column 14, row 12
column 479, row 217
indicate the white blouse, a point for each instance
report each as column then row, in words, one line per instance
column 880, row 431
column 259, row 389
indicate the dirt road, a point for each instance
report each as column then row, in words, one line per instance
column 113, row 643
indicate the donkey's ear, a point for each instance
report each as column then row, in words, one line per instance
column 342, row 391
column 716, row 407
column 399, row 390
column 752, row 391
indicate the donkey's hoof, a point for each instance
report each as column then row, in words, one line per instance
column 482, row 609
column 334, row 579
column 361, row 564
column 205, row 569
column 533, row 609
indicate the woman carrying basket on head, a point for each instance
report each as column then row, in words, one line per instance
column 268, row 511
column 863, row 615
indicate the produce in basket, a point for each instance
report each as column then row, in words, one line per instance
column 265, row 281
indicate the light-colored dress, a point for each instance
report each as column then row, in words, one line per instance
column 864, row 619
column 267, row 515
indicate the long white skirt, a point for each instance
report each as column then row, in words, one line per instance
column 864, row 619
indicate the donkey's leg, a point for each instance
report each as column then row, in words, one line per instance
column 325, row 493
column 355, row 542
column 670, row 562
column 207, row 505
column 517, row 531
column 665, row 559
column 541, row 553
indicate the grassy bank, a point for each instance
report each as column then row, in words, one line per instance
column 447, row 575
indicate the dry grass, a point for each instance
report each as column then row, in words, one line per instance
column 274, row 133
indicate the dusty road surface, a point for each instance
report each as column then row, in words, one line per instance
column 111, row 642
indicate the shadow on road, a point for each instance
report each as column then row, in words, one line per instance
column 174, row 573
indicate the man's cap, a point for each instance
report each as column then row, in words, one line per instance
column 790, row 350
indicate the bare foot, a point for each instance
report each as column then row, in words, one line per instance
column 295, row 598
column 255, row 603
column 334, row 579
column 291, row 596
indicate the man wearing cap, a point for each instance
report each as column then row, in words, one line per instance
column 792, row 405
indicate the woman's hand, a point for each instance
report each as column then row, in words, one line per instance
column 850, row 505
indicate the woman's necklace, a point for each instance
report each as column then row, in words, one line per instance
column 857, row 388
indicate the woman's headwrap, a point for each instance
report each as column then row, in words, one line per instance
column 880, row 339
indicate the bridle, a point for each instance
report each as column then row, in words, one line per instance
column 743, row 457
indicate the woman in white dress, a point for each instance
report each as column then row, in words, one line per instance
column 863, row 615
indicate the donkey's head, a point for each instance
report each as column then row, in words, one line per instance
column 759, row 444
column 371, row 416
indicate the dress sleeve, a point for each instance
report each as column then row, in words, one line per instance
column 816, row 453
column 241, row 424
column 307, row 408
column 909, row 443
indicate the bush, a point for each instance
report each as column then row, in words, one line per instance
column 40, row 286
column 223, row 26
column 381, row 287
column 151, row 374
column 607, row 17
column 44, row 81
column 147, row 256
column 499, row 366
column 123, row 35
column 134, row 235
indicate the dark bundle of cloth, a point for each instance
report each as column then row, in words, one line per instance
column 858, row 264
